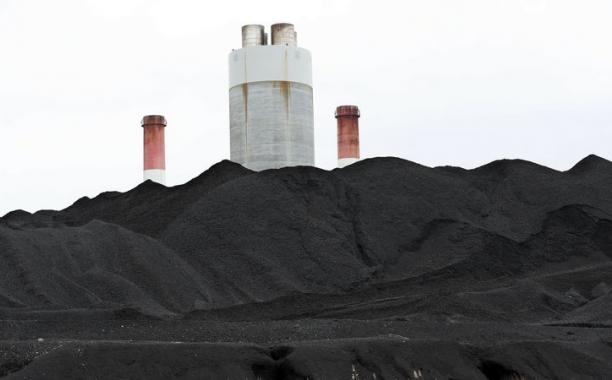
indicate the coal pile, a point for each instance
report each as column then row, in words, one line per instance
column 385, row 269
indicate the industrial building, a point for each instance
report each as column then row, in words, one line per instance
column 270, row 99
column 271, row 108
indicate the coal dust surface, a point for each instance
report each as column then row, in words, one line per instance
column 385, row 269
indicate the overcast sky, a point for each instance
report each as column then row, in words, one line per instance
column 439, row 82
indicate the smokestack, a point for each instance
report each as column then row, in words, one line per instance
column 253, row 35
column 348, row 135
column 270, row 100
column 284, row 34
column 154, row 148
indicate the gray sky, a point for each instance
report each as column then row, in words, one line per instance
column 438, row 82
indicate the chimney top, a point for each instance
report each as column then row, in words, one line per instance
column 283, row 34
column 347, row 110
column 151, row 120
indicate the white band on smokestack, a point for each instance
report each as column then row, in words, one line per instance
column 270, row 63
column 342, row 162
column 155, row 175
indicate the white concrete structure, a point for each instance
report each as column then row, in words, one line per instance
column 342, row 162
column 155, row 175
column 270, row 95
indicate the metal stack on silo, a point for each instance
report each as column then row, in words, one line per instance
column 270, row 95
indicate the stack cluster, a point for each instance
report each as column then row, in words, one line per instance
column 270, row 96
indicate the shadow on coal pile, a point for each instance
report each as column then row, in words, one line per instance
column 496, row 371
column 385, row 239
column 379, row 358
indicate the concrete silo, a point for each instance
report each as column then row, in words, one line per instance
column 270, row 96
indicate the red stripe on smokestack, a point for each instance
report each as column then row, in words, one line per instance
column 154, row 148
column 348, row 134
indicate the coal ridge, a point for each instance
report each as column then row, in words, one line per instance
column 502, row 247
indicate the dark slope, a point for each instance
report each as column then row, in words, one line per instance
column 291, row 230
column 391, row 357
column 98, row 265
column 508, row 244
column 248, row 236
column 146, row 209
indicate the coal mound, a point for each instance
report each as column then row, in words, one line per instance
column 383, row 269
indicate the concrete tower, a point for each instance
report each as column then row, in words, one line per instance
column 270, row 96
column 154, row 148
column 348, row 135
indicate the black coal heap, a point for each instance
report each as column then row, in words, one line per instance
column 385, row 269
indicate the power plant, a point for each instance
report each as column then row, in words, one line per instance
column 154, row 149
column 270, row 107
column 270, row 100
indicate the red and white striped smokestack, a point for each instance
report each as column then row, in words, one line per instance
column 348, row 135
column 154, row 148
